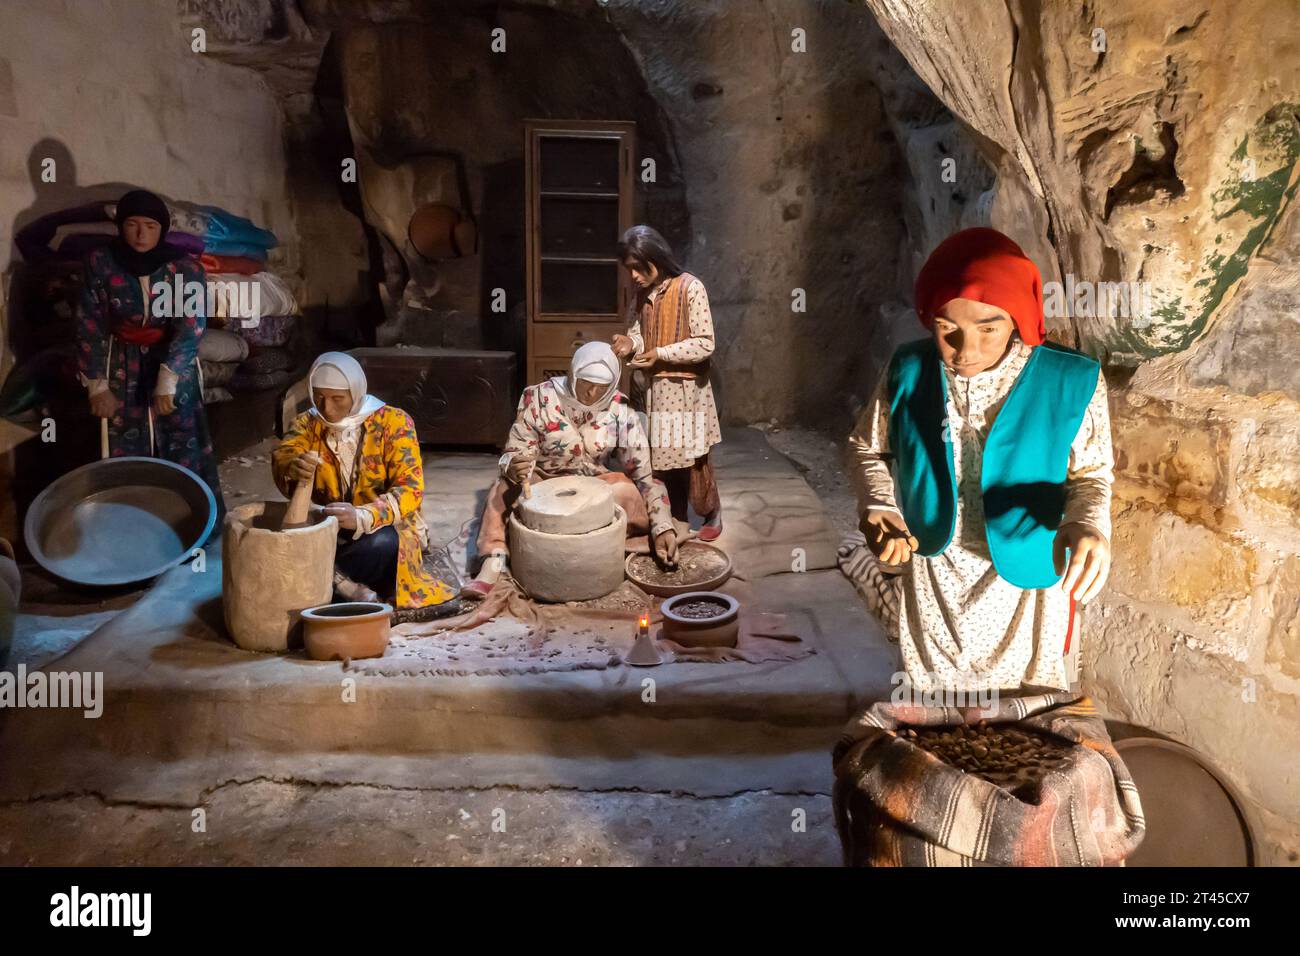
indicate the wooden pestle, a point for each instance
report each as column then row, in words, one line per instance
column 296, row 515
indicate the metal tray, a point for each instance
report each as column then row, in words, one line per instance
column 119, row 521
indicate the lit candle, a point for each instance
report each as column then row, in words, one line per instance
column 644, row 625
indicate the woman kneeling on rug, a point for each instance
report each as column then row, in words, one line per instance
column 576, row 425
column 363, row 460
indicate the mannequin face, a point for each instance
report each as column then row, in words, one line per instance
column 644, row 274
column 141, row 233
column 589, row 392
column 333, row 403
column 972, row 336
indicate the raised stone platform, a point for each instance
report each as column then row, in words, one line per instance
column 186, row 710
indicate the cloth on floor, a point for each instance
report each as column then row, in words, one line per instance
column 879, row 585
column 509, row 633
column 898, row 805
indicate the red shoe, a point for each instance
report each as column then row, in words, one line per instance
column 476, row 590
column 710, row 532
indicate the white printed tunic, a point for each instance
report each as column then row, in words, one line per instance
column 960, row 625
column 682, row 419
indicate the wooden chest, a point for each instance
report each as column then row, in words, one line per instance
column 456, row 396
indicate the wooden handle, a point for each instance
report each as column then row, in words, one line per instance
column 295, row 516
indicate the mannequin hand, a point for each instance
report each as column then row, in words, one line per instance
column 518, row 470
column 666, row 546
column 104, row 405
column 303, row 468
column 888, row 536
column 623, row 346
column 347, row 514
column 644, row 359
column 1089, row 560
column 164, row 404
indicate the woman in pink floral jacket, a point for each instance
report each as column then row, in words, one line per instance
column 576, row 425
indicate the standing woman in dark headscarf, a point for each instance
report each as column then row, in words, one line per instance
column 139, row 358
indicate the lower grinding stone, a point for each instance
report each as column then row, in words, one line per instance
column 568, row 567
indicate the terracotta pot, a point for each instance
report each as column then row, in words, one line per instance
column 348, row 631
column 721, row 630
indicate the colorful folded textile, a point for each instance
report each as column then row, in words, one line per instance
column 259, row 382
column 270, row 330
column 247, row 250
column 219, row 345
column 33, row 239
column 217, row 374
column 224, row 226
column 267, row 359
column 238, row 265
column 237, row 295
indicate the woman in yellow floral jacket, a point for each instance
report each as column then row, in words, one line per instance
column 363, row 459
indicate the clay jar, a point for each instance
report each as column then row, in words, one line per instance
column 268, row 576
column 719, row 630
column 566, row 540
column 347, row 631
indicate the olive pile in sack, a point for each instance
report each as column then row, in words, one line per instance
column 1006, row 755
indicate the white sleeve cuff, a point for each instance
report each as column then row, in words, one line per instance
column 364, row 522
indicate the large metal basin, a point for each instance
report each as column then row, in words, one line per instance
column 119, row 521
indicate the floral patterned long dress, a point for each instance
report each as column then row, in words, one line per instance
column 961, row 625
column 112, row 299
column 389, row 483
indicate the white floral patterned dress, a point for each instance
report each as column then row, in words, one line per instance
column 682, row 418
column 960, row 625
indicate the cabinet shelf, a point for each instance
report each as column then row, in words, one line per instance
column 579, row 188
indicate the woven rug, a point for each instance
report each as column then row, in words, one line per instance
column 509, row 633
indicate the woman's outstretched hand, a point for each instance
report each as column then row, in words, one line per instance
column 887, row 536
column 666, row 545
column 1089, row 560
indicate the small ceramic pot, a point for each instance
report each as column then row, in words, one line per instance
column 720, row 630
column 348, row 631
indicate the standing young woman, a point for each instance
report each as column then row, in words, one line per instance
column 1000, row 442
column 141, row 369
column 670, row 339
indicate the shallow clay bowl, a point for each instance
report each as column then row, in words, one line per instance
column 668, row 590
column 347, row 631
column 720, row 630
column 119, row 520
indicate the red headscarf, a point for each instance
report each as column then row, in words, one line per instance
column 985, row 266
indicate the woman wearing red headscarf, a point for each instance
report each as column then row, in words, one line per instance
column 995, row 521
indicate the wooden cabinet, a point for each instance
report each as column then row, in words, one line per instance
column 578, row 204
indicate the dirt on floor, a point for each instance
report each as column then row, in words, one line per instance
column 819, row 456
column 272, row 823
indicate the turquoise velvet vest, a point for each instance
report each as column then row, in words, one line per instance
column 1026, row 455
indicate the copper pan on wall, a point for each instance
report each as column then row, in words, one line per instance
column 439, row 231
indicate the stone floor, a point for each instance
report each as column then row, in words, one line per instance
column 730, row 765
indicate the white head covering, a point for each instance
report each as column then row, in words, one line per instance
column 593, row 362
column 340, row 370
